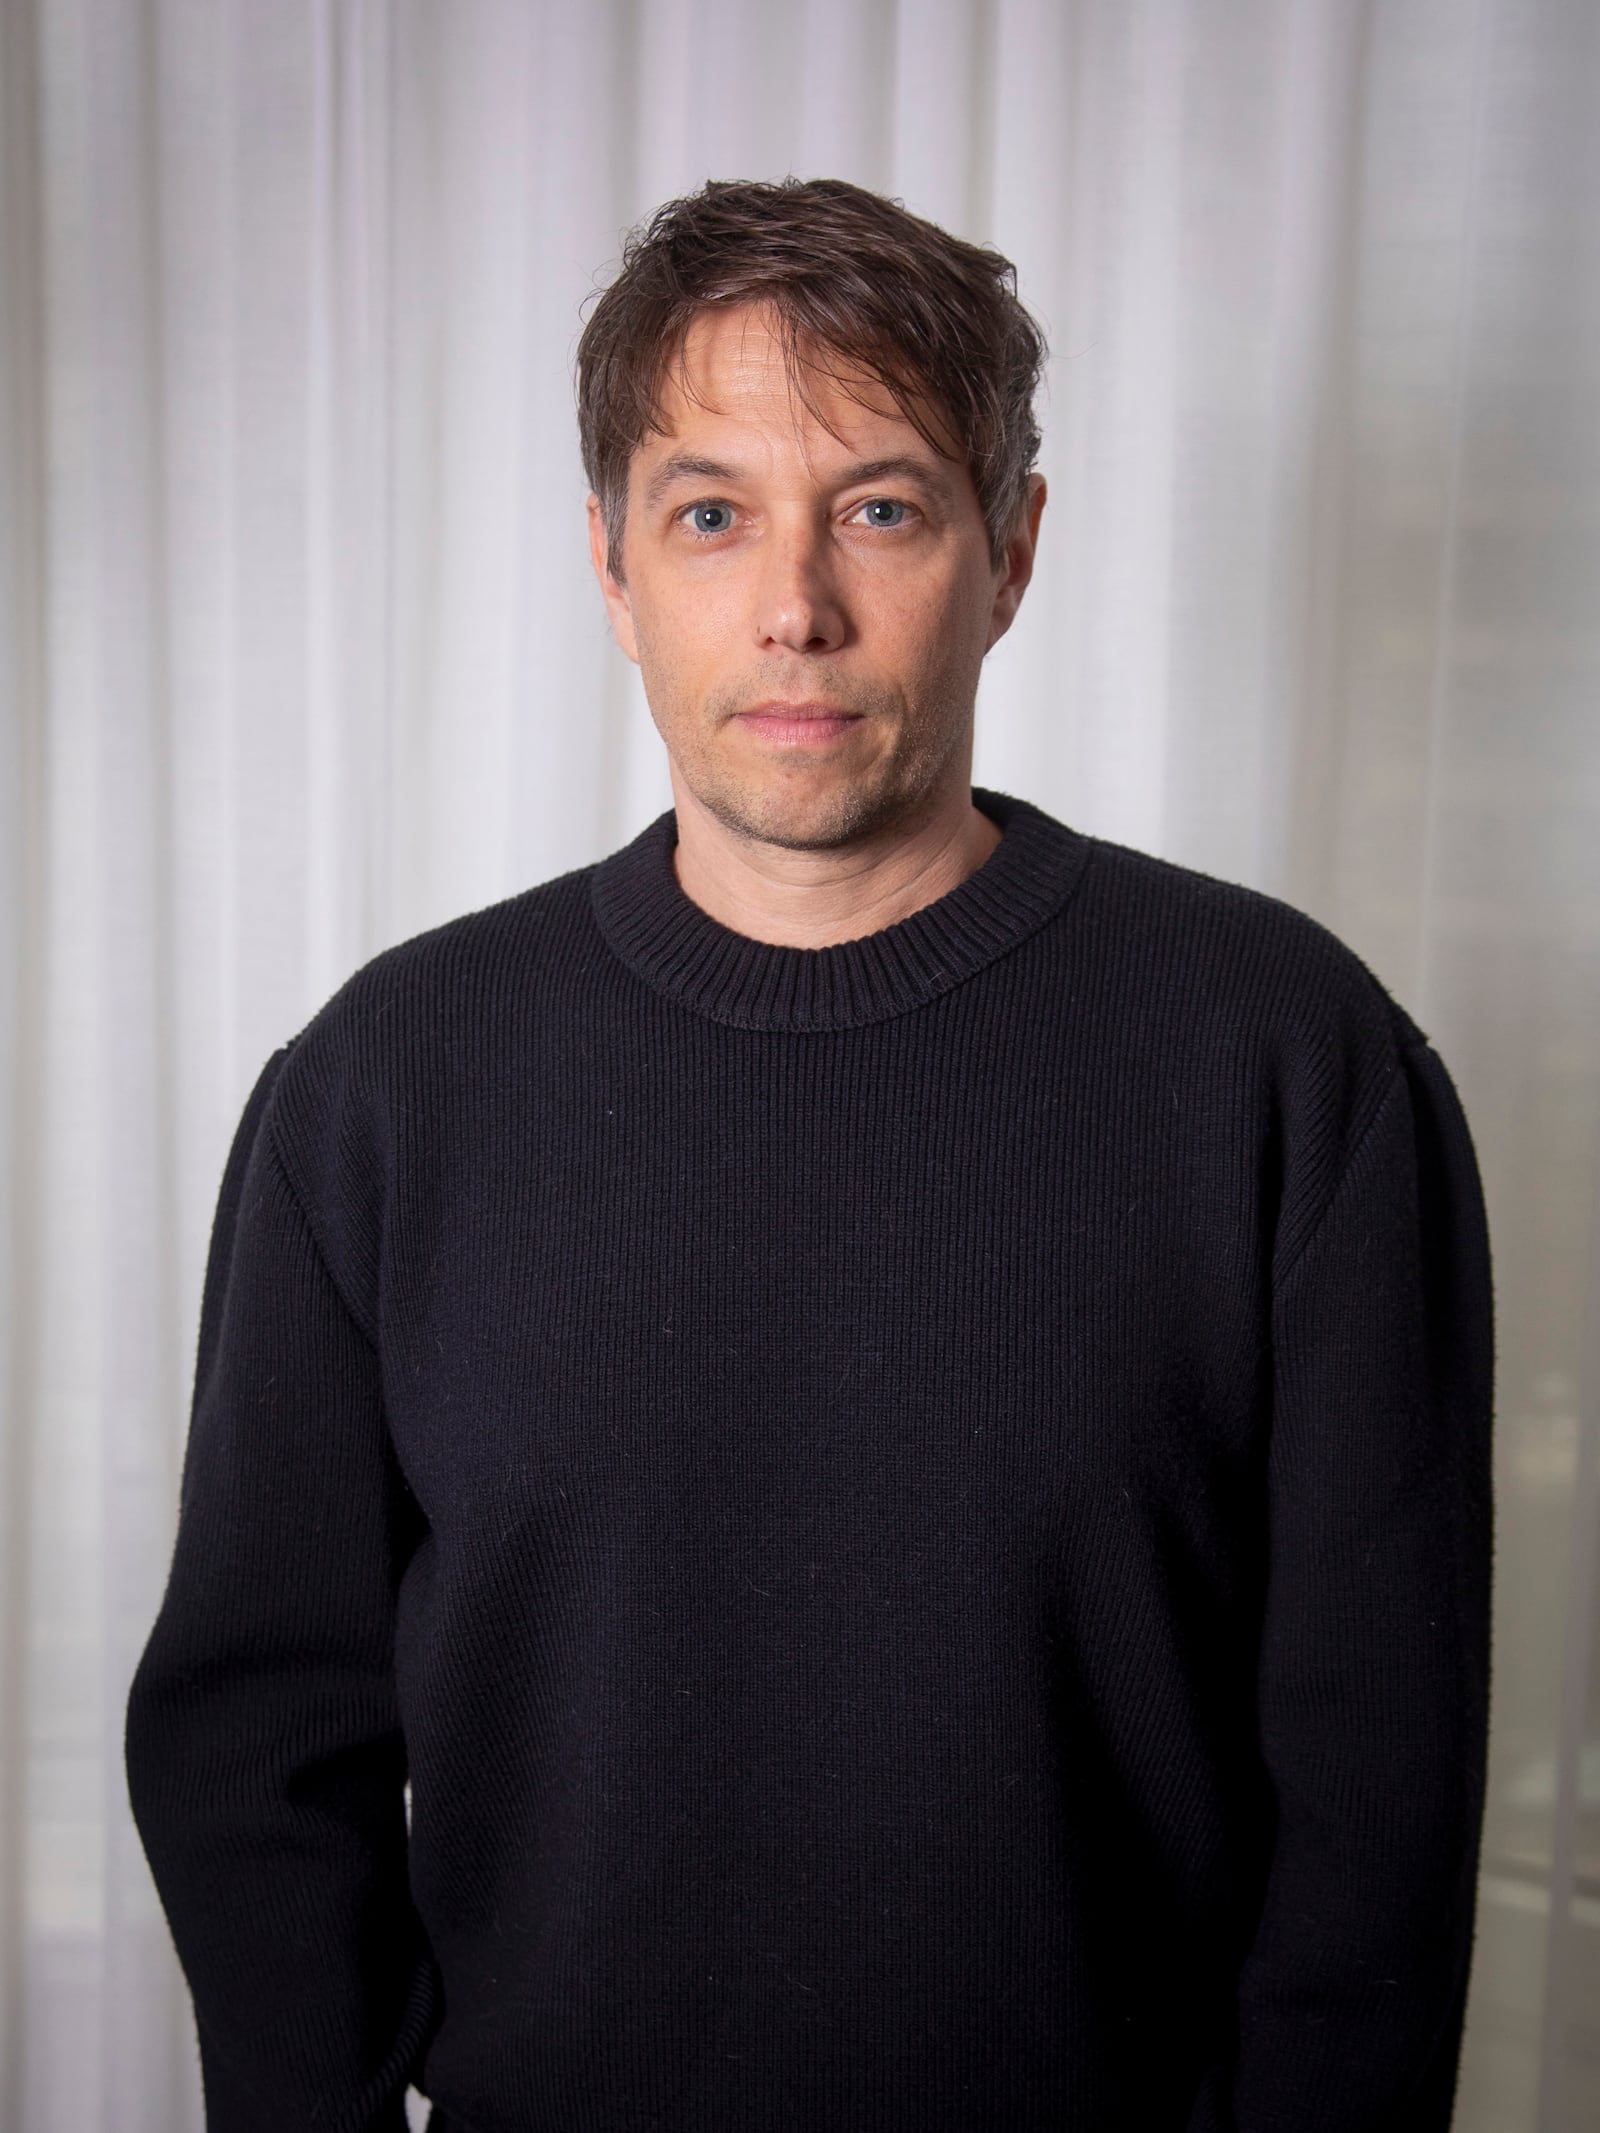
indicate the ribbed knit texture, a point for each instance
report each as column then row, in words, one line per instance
column 917, row 1514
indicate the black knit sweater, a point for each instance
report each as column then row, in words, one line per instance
column 917, row 1515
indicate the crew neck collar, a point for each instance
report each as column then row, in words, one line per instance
column 666, row 939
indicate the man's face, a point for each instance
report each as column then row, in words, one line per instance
column 809, row 610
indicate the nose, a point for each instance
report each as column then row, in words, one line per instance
column 799, row 608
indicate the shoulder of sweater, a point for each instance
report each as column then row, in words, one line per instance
column 511, row 942
column 407, row 1016
column 1239, row 973
column 1234, row 942
column 508, row 941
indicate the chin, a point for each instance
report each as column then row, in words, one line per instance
column 804, row 822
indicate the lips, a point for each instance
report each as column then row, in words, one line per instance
column 798, row 725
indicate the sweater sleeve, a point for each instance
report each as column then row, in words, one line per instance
column 1374, row 1661
column 265, row 1762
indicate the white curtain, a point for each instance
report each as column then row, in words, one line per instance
column 299, row 654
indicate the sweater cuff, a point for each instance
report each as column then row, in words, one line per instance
column 232, row 2106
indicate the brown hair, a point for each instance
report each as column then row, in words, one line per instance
column 848, row 274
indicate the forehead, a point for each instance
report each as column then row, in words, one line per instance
column 733, row 369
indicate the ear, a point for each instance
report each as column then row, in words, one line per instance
column 618, row 605
column 1017, row 568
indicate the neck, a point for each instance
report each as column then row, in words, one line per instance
column 817, row 899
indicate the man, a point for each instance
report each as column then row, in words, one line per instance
column 883, row 1405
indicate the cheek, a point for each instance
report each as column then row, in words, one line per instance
column 663, row 652
column 938, row 628
column 684, row 629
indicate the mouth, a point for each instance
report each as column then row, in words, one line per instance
column 797, row 725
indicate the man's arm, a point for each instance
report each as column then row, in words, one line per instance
column 265, row 1763
column 1374, row 1664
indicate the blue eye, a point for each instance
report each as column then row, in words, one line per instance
column 710, row 518
column 883, row 511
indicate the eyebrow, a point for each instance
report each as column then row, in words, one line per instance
column 688, row 466
column 685, row 466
